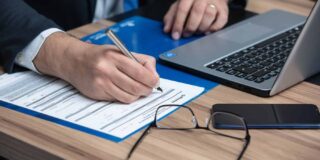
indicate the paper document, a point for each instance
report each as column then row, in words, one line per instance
column 115, row 121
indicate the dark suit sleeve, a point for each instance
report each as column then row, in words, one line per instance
column 237, row 4
column 19, row 25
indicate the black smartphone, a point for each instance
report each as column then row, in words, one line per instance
column 270, row 116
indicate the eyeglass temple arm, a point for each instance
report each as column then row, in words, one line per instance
column 139, row 141
column 245, row 147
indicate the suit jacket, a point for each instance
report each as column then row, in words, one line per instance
column 22, row 20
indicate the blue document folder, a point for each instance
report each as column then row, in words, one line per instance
column 146, row 36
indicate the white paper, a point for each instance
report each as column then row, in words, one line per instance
column 56, row 98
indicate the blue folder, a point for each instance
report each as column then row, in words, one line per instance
column 146, row 36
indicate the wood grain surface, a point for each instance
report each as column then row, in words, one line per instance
column 26, row 137
column 302, row 7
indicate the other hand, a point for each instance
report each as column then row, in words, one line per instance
column 186, row 17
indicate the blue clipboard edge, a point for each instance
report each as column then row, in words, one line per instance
column 79, row 127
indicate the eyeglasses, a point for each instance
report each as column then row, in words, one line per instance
column 183, row 118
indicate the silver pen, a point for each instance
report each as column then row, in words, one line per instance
column 124, row 49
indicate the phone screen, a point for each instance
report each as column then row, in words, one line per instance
column 271, row 115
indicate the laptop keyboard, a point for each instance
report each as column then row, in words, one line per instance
column 262, row 61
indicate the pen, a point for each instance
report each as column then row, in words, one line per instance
column 123, row 49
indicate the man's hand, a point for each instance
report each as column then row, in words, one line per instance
column 186, row 17
column 99, row 72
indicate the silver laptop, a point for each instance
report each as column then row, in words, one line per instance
column 262, row 55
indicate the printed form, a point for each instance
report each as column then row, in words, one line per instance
column 56, row 98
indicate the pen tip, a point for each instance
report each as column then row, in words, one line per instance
column 159, row 89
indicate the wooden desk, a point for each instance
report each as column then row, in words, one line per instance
column 26, row 137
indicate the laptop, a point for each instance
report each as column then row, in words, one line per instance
column 262, row 55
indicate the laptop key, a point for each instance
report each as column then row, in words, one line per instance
column 249, row 55
column 282, row 47
column 259, row 80
column 250, row 78
column 253, row 61
column 236, row 55
column 270, row 54
column 272, row 60
column 240, row 75
column 272, row 74
column 228, row 66
column 265, row 63
column 257, row 66
column 273, row 67
column 267, row 76
column 264, row 56
column 236, row 62
column 254, row 53
column 246, row 70
column 222, row 69
column 283, row 55
column 227, row 59
column 261, row 73
column 232, row 72
column 213, row 66
column 277, row 64
column 216, row 64
column 259, row 58
column 243, row 58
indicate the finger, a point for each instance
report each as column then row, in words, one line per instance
column 136, row 71
column 119, row 94
column 108, row 97
column 221, row 20
column 169, row 17
column 196, row 14
column 149, row 62
column 181, row 16
column 208, row 18
column 98, row 90
column 129, row 85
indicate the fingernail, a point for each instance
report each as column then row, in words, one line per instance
column 176, row 35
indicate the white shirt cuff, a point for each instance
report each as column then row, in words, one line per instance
column 26, row 56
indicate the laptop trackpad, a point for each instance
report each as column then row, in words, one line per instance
column 244, row 33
